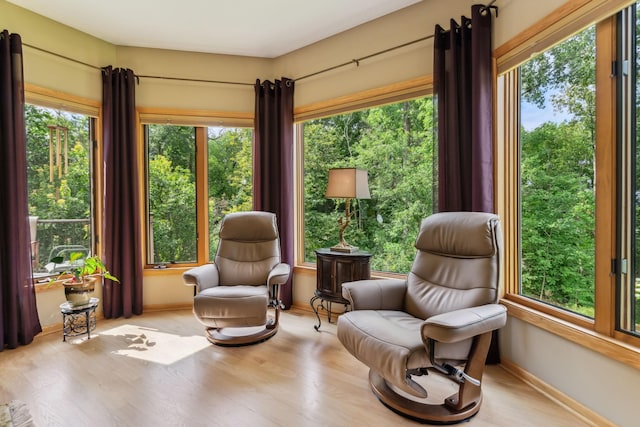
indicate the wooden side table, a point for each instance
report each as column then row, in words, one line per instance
column 332, row 270
column 78, row 320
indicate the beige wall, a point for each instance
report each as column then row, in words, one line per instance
column 406, row 25
column 604, row 385
column 200, row 66
column 607, row 387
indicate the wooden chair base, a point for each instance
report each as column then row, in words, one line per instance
column 424, row 412
column 219, row 337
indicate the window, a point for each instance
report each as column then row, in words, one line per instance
column 557, row 163
column 174, row 183
column 568, row 182
column 172, row 193
column 230, row 176
column 395, row 144
column 59, row 165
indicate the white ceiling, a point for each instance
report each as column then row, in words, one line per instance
column 262, row 28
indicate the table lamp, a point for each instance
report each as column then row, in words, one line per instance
column 347, row 183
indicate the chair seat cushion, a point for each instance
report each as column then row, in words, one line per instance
column 387, row 341
column 232, row 306
column 390, row 343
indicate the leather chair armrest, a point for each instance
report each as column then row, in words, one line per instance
column 202, row 277
column 279, row 274
column 375, row 294
column 459, row 325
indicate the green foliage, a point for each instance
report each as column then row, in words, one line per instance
column 67, row 196
column 173, row 142
column 557, row 178
column 85, row 267
column 172, row 192
column 230, row 177
column 566, row 76
column 172, row 186
column 172, row 206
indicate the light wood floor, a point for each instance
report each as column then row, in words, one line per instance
column 158, row 370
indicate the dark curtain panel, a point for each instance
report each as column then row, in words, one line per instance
column 463, row 89
column 19, row 321
column 273, row 163
column 121, row 233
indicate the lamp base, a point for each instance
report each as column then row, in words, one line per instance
column 346, row 249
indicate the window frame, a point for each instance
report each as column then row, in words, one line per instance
column 599, row 333
column 200, row 120
column 43, row 97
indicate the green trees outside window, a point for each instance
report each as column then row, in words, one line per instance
column 230, row 177
column 172, row 193
column 557, row 194
column 395, row 144
column 172, row 186
column 59, row 182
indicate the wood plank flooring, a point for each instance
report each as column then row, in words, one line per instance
column 158, row 370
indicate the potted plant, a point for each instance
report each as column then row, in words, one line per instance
column 79, row 280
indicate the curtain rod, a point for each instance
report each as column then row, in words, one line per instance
column 356, row 61
column 183, row 79
column 487, row 7
column 95, row 67
column 62, row 56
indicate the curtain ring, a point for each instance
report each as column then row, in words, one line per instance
column 487, row 9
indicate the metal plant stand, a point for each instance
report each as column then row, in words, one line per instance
column 78, row 320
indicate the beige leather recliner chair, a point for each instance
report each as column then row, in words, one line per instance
column 439, row 319
column 234, row 293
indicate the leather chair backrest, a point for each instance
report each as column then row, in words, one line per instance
column 457, row 263
column 248, row 249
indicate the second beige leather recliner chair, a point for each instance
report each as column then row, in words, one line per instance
column 234, row 293
column 440, row 319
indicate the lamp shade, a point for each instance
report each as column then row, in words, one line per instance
column 348, row 182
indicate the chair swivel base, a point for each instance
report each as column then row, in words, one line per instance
column 218, row 336
column 423, row 412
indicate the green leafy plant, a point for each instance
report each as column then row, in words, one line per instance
column 84, row 267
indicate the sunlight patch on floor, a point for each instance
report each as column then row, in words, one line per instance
column 155, row 346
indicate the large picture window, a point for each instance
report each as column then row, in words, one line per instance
column 568, row 188
column 395, row 144
column 557, row 164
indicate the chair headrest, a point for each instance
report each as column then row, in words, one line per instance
column 253, row 226
column 459, row 234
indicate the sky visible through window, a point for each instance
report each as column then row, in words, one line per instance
column 531, row 116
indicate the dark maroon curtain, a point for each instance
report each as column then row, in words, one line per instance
column 463, row 89
column 273, row 163
column 121, row 233
column 19, row 321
